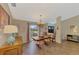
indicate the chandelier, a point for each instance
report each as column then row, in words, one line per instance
column 40, row 23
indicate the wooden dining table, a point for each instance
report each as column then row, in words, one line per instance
column 42, row 40
column 37, row 38
column 39, row 41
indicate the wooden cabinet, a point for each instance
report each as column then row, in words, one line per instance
column 74, row 38
column 11, row 51
column 15, row 49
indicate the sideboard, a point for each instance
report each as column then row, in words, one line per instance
column 15, row 49
column 74, row 38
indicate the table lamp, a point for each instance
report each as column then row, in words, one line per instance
column 10, row 29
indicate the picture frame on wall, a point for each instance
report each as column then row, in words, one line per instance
column 4, row 18
column 51, row 29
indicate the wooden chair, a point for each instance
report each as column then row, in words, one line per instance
column 51, row 37
column 39, row 42
column 46, row 40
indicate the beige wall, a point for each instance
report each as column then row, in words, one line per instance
column 2, row 36
column 66, row 25
column 22, row 25
column 6, row 7
column 23, row 28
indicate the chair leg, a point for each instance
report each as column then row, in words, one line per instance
column 38, row 46
column 46, row 43
column 52, row 40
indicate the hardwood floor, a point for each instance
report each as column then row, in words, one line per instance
column 66, row 48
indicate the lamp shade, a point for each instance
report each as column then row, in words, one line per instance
column 10, row 29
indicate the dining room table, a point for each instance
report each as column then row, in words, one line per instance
column 39, row 41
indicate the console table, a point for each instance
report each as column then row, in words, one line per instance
column 74, row 38
column 15, row 49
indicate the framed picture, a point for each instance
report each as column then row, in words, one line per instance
column 51, row 29
column 4, row 18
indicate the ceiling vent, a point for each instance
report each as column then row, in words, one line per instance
column 13, row 4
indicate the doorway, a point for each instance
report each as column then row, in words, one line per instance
column 33, row 31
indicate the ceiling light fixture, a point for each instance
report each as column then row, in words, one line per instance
column 13, row 4
column 40, row 23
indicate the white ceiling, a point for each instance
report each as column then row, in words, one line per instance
column 49, row 11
